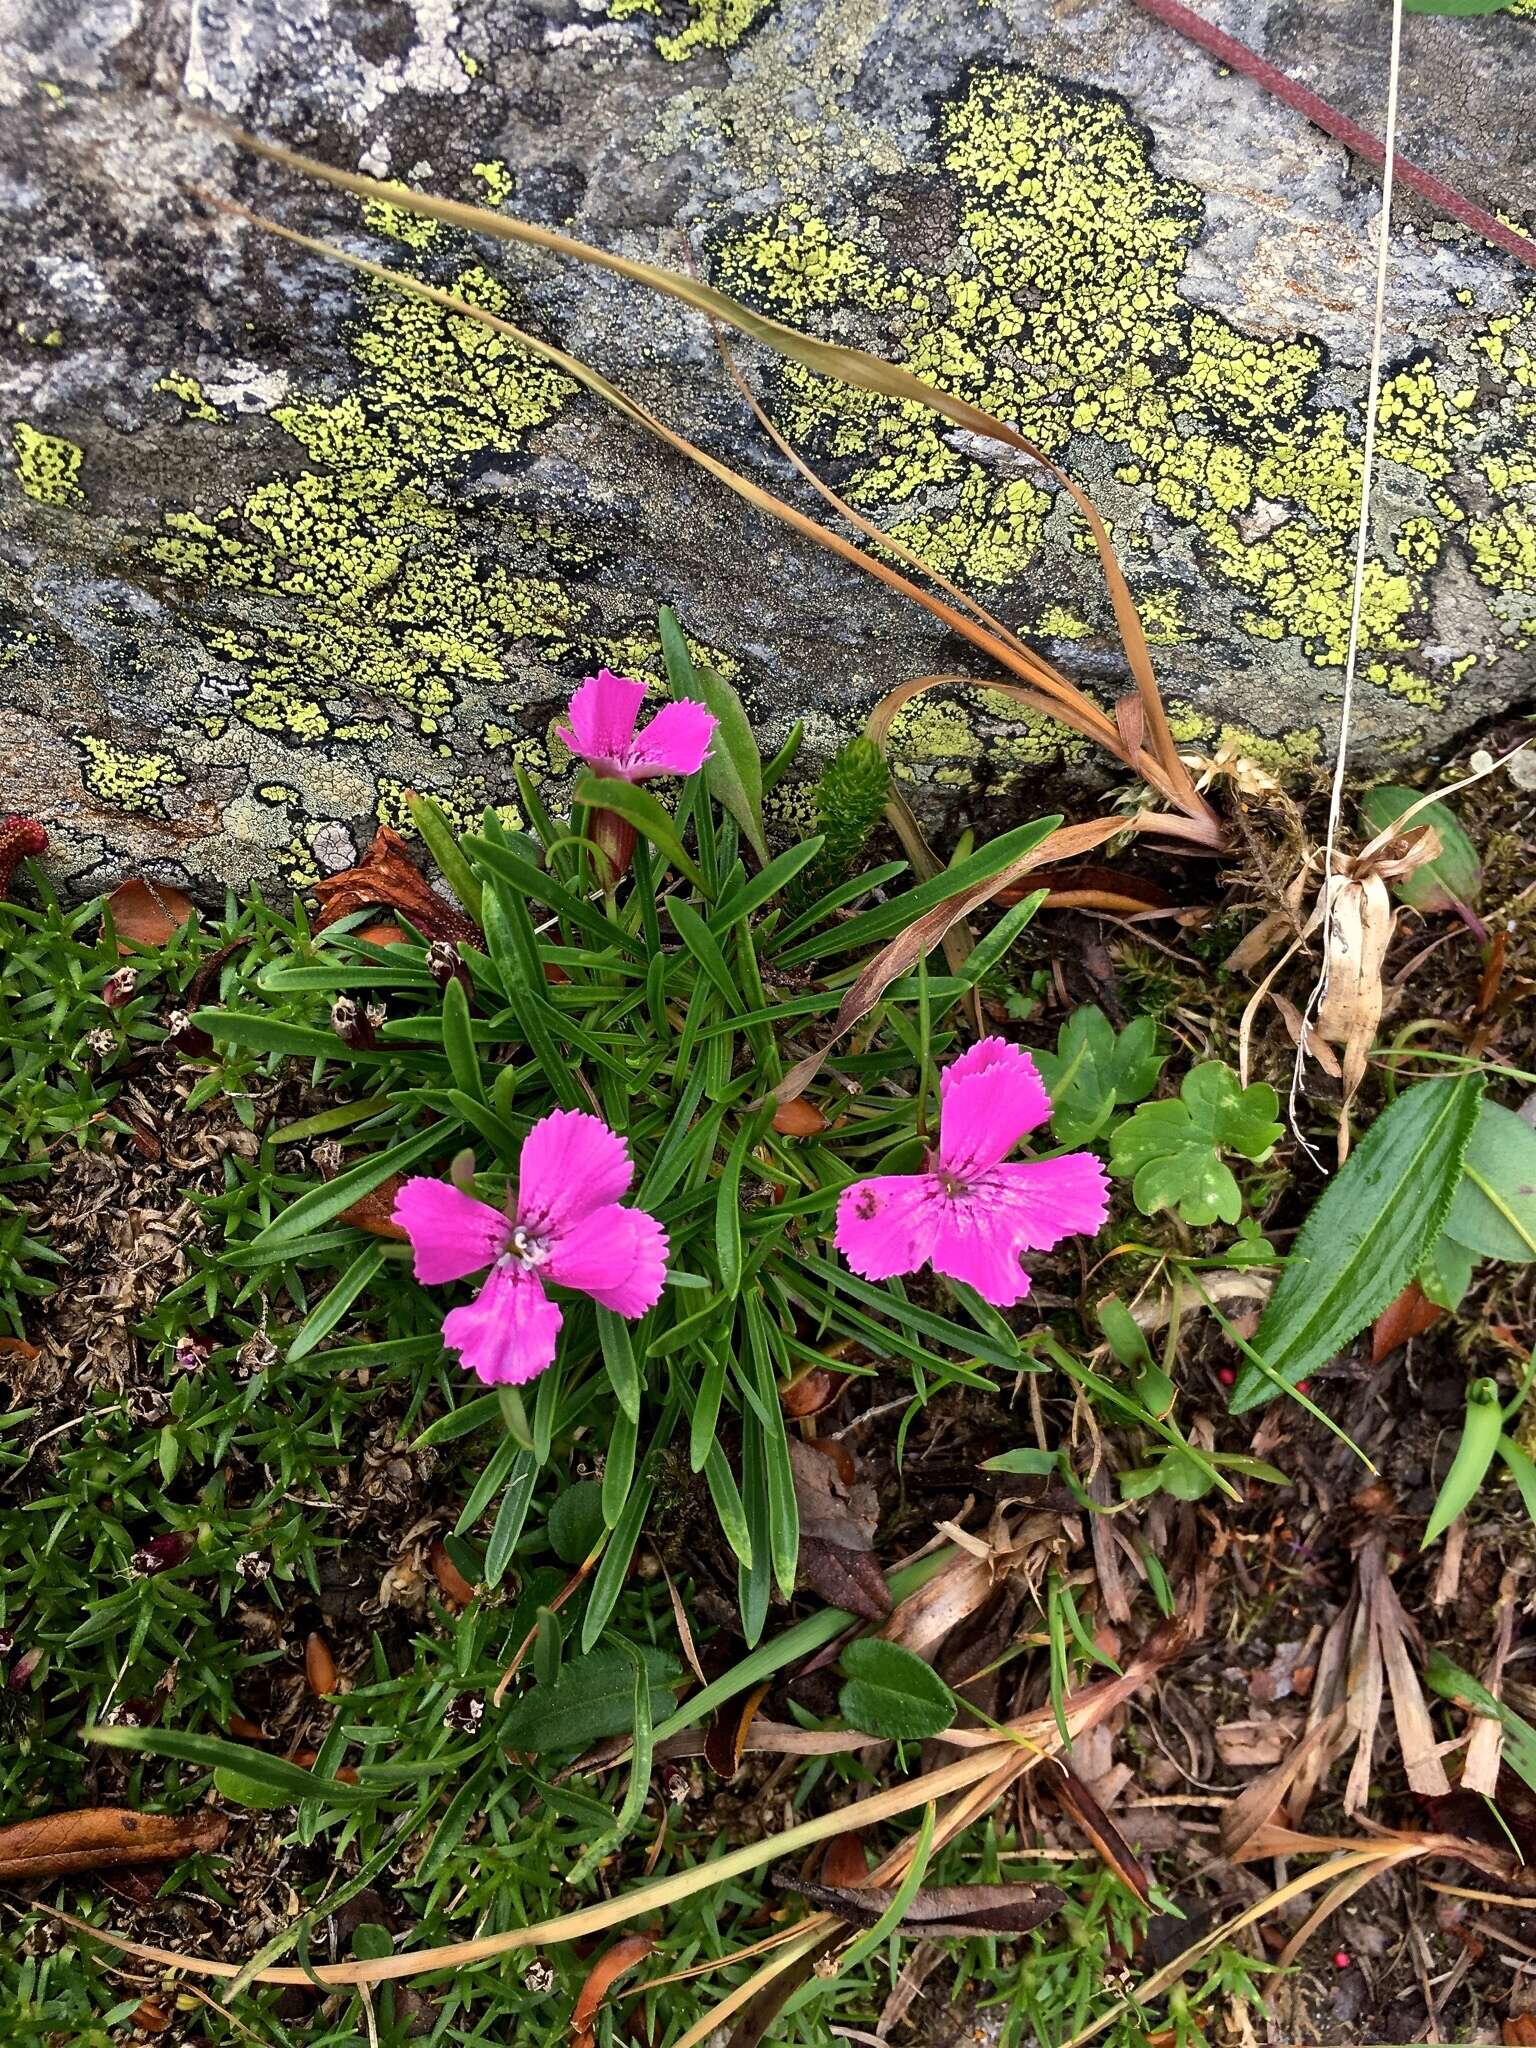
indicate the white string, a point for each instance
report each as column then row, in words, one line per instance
column 1362, row 548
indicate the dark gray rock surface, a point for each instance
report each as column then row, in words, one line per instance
column 277, row 544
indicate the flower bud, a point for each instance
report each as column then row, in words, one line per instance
column 186, row 1036
column 23, row 1668
column 160, row 1554
column 443, row 962
column 539, row 1977
column 192, row 1353
column 118, row 987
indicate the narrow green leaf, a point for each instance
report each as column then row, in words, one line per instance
column 329, row 1199
column 734, row 769
column 437, row 834
column 459, row 1041
column 251, row 1765
column 1366, row 1235
column 328, row 1312
column 628, row 800
column 510, row 1517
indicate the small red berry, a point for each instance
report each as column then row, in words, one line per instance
column 1303, row 1386
column 1341, row 1959
column 1226, row 1375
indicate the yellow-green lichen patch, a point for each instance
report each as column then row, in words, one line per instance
column 193, row 398
column 411, row 230
column 982, row 738
column 365, row 582
column 464, row 806
column 125, row 778
column 47, row 466
column 1065, row 312
column 711, row 24
column 496, row 178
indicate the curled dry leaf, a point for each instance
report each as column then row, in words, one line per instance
column 811, row 1390
column 1409, row 1316
column 956, row 1911
column 603, row 1975
column 451, row 1582
column 375, row 1211
column 726, row 1742
column 147, row 913
column 1359, row 930
column 96, row 1837
column 386, row 878
column 798, row 1119
column 845, row 1862
column 319, row 1666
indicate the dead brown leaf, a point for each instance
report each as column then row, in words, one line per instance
column 96, row 1837
column 1079, row 1804
column 386, row 878
column 811, row 1390
column 375, row 1211
column 936, row 1911
column 451, row 1581
column 838, row 1515
column 604, row 1973
column 726, row 1742
column 1409, row 1316
column 798, row 1119
column 1257, row 1744
column 147, row 913
column 845, row 1862
column 319, row 1666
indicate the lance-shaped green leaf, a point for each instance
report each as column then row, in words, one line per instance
column 733, row 770
column 1366, row 1236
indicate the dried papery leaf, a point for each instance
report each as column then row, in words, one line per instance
column 98, row 1837
column 1485, row 1747
column 147, row 913
column 384, row 934
column 838, row 1514
column 908, row 947
column 1089, row 885
column 850, row 365
column 925, row 1618
column 603, row 1975
column 1359, row 932
column 386, row 878
column 1256, row 1805
column 948, row 1911
column 1078, row 1803
column 1415, row 1731
column 1409, row 1316
column 917, row 1967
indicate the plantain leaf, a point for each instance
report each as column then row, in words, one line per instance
column 1367, row 1234
column 1455, row 874
column 1494, row 1210
column 890, row 1692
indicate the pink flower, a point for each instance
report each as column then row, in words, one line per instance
column 602, row 731
column 970, row 1215
column 565, row 1225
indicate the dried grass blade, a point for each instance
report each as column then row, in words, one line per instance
column 908, row 947
column 849, row 365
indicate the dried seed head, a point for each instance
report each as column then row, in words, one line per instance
column 256, row 1353
column 375, row 1013
column 186, row 1036
column 101, row 1043
column 327, row 1156
column 159, row 1554
column 351, row 1024
column 442, row 961
column 465, row 1713
column 118, row 988
column 253, row 1567
column 675, row 1783
column 539, row 1977
column 192, row 1353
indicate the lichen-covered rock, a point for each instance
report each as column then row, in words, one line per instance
column 279, row 544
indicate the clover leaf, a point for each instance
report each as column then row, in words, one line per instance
column 1172, row 1151
column 1093, row 1068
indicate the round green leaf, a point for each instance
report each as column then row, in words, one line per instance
column 1493, row 1211
column 892, row 1693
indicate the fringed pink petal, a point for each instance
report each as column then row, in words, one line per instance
column 507, row 1334
column 886, row 1226
column 601, row 719
column 452, row 1235
column 674, row 743
column 988, row 1099
column 618, row 1256
column 571, row 1164
column 1056, row 1198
